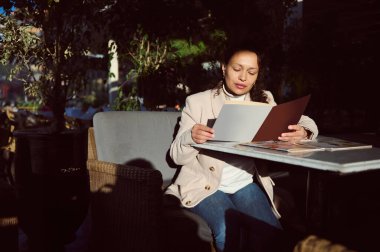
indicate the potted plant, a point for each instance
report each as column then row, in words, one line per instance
column 45, row 43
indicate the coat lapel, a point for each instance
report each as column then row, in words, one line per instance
column 217, row 101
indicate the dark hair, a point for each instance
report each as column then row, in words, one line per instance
column 257, row 91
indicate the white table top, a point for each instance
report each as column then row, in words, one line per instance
column 347, row 161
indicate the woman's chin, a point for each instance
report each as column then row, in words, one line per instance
column 240, row 91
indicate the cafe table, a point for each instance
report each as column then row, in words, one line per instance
column 317, row 164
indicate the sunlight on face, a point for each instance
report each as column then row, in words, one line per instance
column 241, row 72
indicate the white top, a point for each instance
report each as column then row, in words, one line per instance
column 234, row 179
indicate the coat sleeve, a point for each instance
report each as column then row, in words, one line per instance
column 309, row 125
column 181, row 150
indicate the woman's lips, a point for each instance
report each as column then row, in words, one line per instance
column 239, row 86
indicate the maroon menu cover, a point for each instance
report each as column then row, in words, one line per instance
column 280, row 117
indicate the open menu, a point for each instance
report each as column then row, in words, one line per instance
column 246, row 121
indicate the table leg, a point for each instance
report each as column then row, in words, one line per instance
column 307, row 195
column 316, row 201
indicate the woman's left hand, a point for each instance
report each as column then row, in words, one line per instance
column 295, row 134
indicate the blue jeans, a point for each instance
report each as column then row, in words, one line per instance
column 243, row 220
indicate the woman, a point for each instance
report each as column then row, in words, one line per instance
column 227, row 191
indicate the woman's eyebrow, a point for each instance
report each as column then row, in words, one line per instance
column 253, row 68
column 241, row 65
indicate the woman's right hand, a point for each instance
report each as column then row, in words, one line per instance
column 201, row 133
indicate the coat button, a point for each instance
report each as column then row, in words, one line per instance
column 212, row 168
column 188, row 203
column 207, row 187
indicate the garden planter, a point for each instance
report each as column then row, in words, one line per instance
column 52, row 185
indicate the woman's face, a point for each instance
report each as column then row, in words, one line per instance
column 241, row 72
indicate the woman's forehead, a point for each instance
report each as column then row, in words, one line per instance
column 244, row 58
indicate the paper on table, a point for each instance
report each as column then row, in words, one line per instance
column 284, row 146
column 322, row 144
column 336, row 144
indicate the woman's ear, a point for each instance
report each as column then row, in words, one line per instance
column 223, row 69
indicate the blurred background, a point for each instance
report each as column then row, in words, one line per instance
column 144, row 55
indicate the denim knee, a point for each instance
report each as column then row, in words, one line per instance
column 219, row 232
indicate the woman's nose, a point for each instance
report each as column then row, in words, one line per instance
column 243, row 76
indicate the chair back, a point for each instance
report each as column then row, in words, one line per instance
column 139, row 138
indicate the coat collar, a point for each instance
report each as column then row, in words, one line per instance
column 218, row 98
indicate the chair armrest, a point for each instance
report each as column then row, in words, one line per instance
column 126, row 207
column 91, row 147
column 125, row 171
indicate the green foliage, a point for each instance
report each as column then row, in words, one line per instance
column 127, row 100
column 22, row 47
column 184, row 48
column 46, row 43
column 127, row 103
column 218, row 35
column 147, row 55
column 160, row 65
column 29, row 105
column 172, row 43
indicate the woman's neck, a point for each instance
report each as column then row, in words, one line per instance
column 230, row 96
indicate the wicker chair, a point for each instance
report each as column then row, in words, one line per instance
column 128, row 209
column 125, row 205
